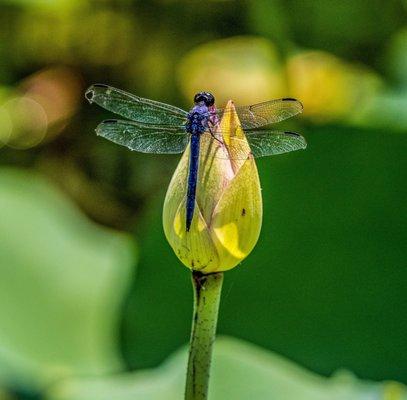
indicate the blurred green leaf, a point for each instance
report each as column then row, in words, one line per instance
column 347, row 28
column 62, row 280
column 5, row 396
column 60, row 5
column 240, row 371
column 397, row 58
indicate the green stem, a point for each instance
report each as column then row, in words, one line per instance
column 207, row 290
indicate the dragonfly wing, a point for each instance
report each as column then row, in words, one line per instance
column 143, row 137
column 133, row 107
column 266, row 113
column 266, row 143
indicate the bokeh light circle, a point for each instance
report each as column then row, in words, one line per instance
column 29, row 122
column 5, row 127
column 244, row 68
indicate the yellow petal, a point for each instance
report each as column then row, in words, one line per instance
column 237, row 218
column 177, row 188
column 237, row 147
column 194, row 248
column 214, row 174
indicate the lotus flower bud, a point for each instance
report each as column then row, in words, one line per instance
column 228, row 210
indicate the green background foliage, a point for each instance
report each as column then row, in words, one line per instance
column 326, row 285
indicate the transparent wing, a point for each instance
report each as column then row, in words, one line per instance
column 133, row 107
column 267, row 143
column 261, row 143
column 266, row 113
column 143, row 137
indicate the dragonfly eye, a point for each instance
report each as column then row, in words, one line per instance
column 206, row 97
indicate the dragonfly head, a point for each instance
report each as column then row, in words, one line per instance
column 205, row 97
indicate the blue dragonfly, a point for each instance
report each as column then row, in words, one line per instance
column 155, row 127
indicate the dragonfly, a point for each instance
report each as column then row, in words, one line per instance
column 155, row 127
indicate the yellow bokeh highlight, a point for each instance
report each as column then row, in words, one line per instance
column 330, row 88
column 393, row 391
column 248, row 68
column 252, row 70
column 29, row 122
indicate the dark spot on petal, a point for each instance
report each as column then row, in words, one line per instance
column 243, row 212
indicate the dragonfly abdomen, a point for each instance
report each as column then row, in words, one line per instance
column 192, row 178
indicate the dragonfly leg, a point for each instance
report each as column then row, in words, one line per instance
column 213, row 135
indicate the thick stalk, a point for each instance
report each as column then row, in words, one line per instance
column 207, row 290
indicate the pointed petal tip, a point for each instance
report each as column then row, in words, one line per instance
column 230, row 103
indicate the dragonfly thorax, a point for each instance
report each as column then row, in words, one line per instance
column 197, row 121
